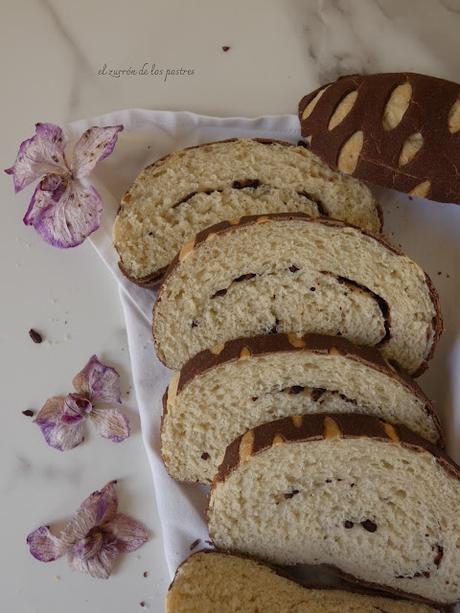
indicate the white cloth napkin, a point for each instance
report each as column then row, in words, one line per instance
column 430, row 233
column 149, row 135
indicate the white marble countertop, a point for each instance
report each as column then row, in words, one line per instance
column 52, row 52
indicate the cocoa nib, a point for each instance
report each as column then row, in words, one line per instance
column 293, row 268
column 369, row 525
column 226, row 48
column 220, row 292
column 205, row 455
column 28, row 413
column 35, row 336
column 316, row 393
column 295, row 389
column 348, row 524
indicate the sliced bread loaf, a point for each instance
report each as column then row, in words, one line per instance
column 374, row 500
column 211, row 582
column 189, row 190
column 215, row 398
column 291, row 273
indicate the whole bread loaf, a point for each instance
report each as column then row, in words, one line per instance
column 294, row 274
column 191, row 189
column 213, row 582
column 399, row 130
column 373, row 499
column 215, row 398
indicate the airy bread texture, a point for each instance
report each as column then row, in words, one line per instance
column 189, row 190
column 374, row 500
column 211, row 582
column 256, row 380
column 290, row 273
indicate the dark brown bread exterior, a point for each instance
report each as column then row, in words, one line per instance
column 354, row 586
column 438, row 161
column 228, row 226
column 315, row 343
column 315, row 427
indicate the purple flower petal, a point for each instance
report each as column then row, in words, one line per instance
column 94, row 145
column 45, row 546
column 41, row 154
column 111, row 423
column 76, row 408
column 100, row 507
column 64, row 217
column 60, row 422
column 129, row 533
column 94, row 555
column 95, row 536
column 50, row 189
column 99, row 382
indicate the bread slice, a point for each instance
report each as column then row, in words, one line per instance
column 399, row 130
column 189, row 190
column 211, row 582
column 374, row 500
column 215, row 398
column 291, row 273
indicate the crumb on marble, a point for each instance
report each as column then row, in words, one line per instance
column 35, row 336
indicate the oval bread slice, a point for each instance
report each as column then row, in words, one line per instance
column 189, row 190
column 294, row 274
column 373, row 499
column 210, row 582
column 215, row 398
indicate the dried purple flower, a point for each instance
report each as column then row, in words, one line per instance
column 64, row 209
column 61, row 419
column 94, row 537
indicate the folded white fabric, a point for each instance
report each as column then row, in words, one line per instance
column 149, row 135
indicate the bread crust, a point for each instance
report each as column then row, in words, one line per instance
column 313, row 428
column 153, row 280
column 431, row 100
column 264, row 344
column 227, row 226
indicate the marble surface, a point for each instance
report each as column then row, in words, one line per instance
column 53, row 54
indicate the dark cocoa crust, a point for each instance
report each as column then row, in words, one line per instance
column 437, row 161
column 264, row 344
column 354, row 586
column 227, row 226
column 351, row 425
column 153, row 280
